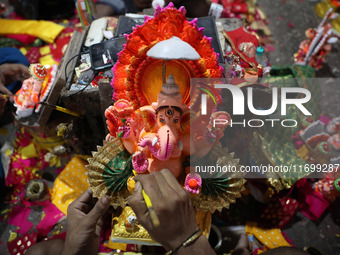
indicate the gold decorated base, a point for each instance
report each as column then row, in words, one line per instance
column 125, row 233
column 129, row 234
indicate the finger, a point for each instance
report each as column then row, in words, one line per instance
column 14, row 72
column 86, row 197
column 98, row 210
column 5, row 90
column 82, row 202
column 98, row 230
column 18, row 68
column 85, row 208
column 137, row 203
column 171, row 180
column 99, row 226
column 151, row 187
column 21, row 71
column 101, row 222
column 163, row 184
column 183, row 196
column 108, row 215
column 136, row 200
column 24, row 71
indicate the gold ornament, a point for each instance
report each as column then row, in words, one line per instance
column 138, row 235
column 131, row 184
column 99, row 164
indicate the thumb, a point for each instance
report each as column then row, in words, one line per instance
column 137, row 194
column 136, row 201
column 99, row 210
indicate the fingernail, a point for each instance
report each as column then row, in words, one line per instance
column 138, row 187
column 105, row 200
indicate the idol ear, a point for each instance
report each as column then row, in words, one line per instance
column 186, row 119
column 149, row 116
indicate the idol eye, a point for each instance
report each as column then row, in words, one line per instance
column 169, row 112
column 175, row 120
column 162, row 120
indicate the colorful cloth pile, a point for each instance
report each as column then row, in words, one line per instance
column 41, row 42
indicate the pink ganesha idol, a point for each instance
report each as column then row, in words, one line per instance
column 160, row 144
column 34, row 89
column 158, row 135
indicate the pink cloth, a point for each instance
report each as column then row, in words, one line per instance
column 25, row 39
column 324, row 119
column 18, row 217
column 20, row 213
column 313, row 204
column 19, row 245
column 52, row 216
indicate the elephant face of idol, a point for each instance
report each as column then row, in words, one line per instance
column 167, row 129
column 169, row 116
column 168, row 120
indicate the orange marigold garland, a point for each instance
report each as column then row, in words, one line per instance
column 138, row 77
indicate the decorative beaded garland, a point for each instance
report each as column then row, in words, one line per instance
column 38, row 71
